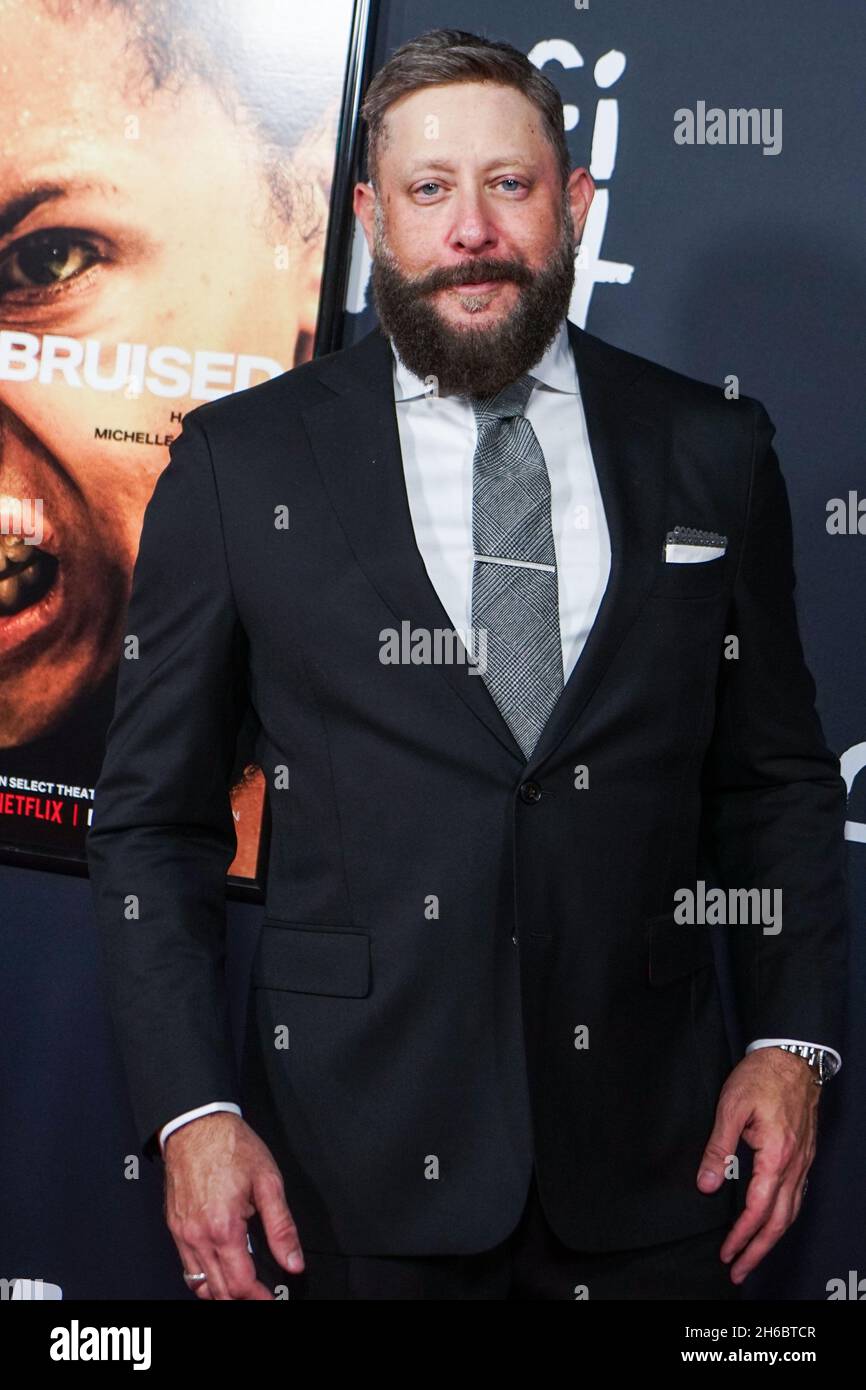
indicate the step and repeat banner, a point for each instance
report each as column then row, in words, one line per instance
column 174, row 226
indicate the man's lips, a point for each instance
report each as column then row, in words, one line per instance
column 477, row 286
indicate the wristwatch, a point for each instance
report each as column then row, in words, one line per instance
column 823, row 1063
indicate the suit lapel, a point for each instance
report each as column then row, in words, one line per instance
column 356, row 444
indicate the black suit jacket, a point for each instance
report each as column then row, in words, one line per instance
column 443, row 918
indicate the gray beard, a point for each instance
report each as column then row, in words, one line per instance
column 476, row 362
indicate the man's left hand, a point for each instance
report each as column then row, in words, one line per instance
column 770, row 1099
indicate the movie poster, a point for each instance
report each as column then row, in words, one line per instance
column 165, row 173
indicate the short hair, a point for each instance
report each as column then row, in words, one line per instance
column 453, row 55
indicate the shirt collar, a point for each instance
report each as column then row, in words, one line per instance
column 555, row 369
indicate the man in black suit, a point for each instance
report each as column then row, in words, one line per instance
column 512, row 609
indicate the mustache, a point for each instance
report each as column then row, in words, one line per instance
column 472, row 273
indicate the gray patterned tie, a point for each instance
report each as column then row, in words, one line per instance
column 515, row 599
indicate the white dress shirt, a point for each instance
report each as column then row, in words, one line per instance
column 437, row 441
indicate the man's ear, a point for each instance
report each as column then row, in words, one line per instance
column 581, row 191
column 364, row 208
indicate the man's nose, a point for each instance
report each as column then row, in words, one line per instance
column 473, row 229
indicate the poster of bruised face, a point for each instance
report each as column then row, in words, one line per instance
column 165, row 175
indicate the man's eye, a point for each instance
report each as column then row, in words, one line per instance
column 431, row 184
column 45, row 259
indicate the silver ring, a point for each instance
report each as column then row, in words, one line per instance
column 803, row 1189
column 194, row 1278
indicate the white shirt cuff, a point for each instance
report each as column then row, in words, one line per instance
column 193, row 1115
column 774, row 1042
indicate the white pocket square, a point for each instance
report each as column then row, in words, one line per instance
column 686, row 545
column 692, row 554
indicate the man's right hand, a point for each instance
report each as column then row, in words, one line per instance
column 218, row 1172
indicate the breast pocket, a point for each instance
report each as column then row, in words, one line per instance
column 309, row 959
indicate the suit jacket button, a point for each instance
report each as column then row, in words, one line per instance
column 514, row 939
column 530, row 792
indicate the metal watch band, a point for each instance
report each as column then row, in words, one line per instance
column 823, row 1064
